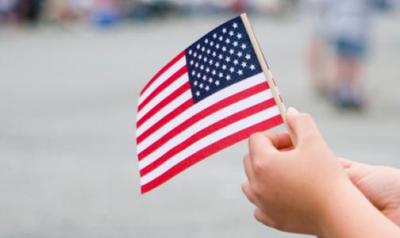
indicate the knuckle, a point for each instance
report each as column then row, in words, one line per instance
column 258, row 166
column 254, row 138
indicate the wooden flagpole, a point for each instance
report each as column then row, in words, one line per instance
column 267, row 71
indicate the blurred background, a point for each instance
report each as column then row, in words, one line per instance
column 70, row 74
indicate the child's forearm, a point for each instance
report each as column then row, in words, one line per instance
column 350, row 214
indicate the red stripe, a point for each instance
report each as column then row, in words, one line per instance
column 165, row 119
column 185, row 87
column 202, row 114
column 207, row 131
column 162, row 86
column 162, row 70
column 211, row 149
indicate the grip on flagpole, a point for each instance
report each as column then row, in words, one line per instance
column 266, row 71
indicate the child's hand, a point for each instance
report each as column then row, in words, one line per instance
column 292, row 186
column 380, row 184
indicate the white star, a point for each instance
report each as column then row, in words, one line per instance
column 195, row 54
column 231, row 33
column 198, row 93
column 217, row 46
column 210, row 80
column 217, row 64
column 198, row 46
column 201, row 67
column 191, row 62
column 228, row 77
column 248, row 56
column 239, row 36
column 195, row 83
column 220, row 38
column 211, row 62
column 221, row 75
column 207, row 69
column 206, row 40
column 207, row 88
column 232, row 69
column 212, row 43
column 227, row 41
column 200, row 56
column 214, row 35
column 201, row 85
column 198, row 75
column 220, row 56
column 244, row 46
column 205, row 59
column 214, row 72
column 204, row 77
column 244, row 64
column 203, row 48
column 190, row 52
column 196, row 65
column 214, row 53
column 217, row 82
column 239, row 54
column 224, row 30
column 223, row 48
column 231, row 51
column 193, row 72
column 223, row 67
column 236, row 61
column 240, row 72
column 235, row 43
column 252, row 67
column 228, row 59
column 208, row 51
column 235, row 25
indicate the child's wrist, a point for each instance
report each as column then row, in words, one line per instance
column 338, row 205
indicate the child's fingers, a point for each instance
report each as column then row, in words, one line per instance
column 248, row 167
column 260, row 146
column 279, row 140
column 249, row 192
column 263, row 218
column 355, row 170
column 345, row 162
column 301, row 124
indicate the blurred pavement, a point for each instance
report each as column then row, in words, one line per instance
column 67, row 114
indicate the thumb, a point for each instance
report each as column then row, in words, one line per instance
column 301, row 125
column 355, row 170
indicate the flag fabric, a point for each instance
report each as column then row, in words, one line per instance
column 210, row 96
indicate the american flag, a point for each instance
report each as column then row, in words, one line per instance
column 210, row 96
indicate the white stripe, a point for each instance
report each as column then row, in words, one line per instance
column 164, row 111
column 205, row 122
column 198, row 107
column 175, row 67
column 212, row 138
column 163, row 94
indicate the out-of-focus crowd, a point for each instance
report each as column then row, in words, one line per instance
column 107, row 12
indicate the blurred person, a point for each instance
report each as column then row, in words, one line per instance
column 344, row 27
column 6, row 9
column 105, row 13
column 29, row 11
column 303, row 187
column 318, row 54
column 67, row 10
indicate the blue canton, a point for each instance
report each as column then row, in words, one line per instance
column 221, row 58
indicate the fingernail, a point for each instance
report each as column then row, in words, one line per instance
column 292, row 110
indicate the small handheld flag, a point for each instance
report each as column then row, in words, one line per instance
column 216, row 92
